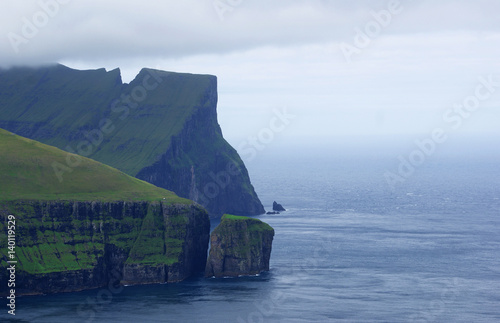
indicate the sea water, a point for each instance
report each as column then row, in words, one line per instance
column 349, row 248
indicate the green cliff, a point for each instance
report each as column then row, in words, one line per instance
column 239, row 246
column 161, row 128
column 96, row 225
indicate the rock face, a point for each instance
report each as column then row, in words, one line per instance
column 239, row 246
column 71, row 246
column 278, row 207
column 161, row 127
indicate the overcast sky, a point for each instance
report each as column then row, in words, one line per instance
column 340, row 67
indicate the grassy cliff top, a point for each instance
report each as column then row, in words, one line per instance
column 57, row 105
column 254, row 224
column 29, row 171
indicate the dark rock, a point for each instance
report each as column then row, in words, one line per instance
column 272, row 213
column 278, row 207
column 239, row 246
column 223, row 172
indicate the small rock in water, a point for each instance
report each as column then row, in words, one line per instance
column 278, row 207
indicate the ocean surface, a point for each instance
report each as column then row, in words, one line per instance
column 349, row 248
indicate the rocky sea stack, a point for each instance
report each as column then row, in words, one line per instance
column 239, row 246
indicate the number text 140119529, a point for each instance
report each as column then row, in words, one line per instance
column 11, row 246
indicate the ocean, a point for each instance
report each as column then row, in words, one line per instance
column 349, row 248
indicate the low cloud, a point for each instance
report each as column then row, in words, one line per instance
column 92, row 30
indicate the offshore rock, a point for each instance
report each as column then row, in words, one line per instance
column 239, row 246
column 278, row 207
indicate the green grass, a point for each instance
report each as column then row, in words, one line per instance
column 56, row 257
column 149, row 247
column 27, row 173
column 254, row 224
column 236, row 217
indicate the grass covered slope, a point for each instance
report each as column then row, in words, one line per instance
column 28, row 171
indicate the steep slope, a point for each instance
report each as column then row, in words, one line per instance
column 162, row 128
column 96, row 226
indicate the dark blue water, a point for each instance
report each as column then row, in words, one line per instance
column 349, row 249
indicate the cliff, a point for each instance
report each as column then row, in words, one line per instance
column 239, row 246
column 65, row 246
column 97, row 226
column 162, row 128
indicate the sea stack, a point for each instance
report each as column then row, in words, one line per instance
column 278, row 207
column 239, row 246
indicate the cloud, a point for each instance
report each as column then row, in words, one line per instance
column 92, row 29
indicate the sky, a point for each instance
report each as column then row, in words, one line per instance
column 292, row 70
